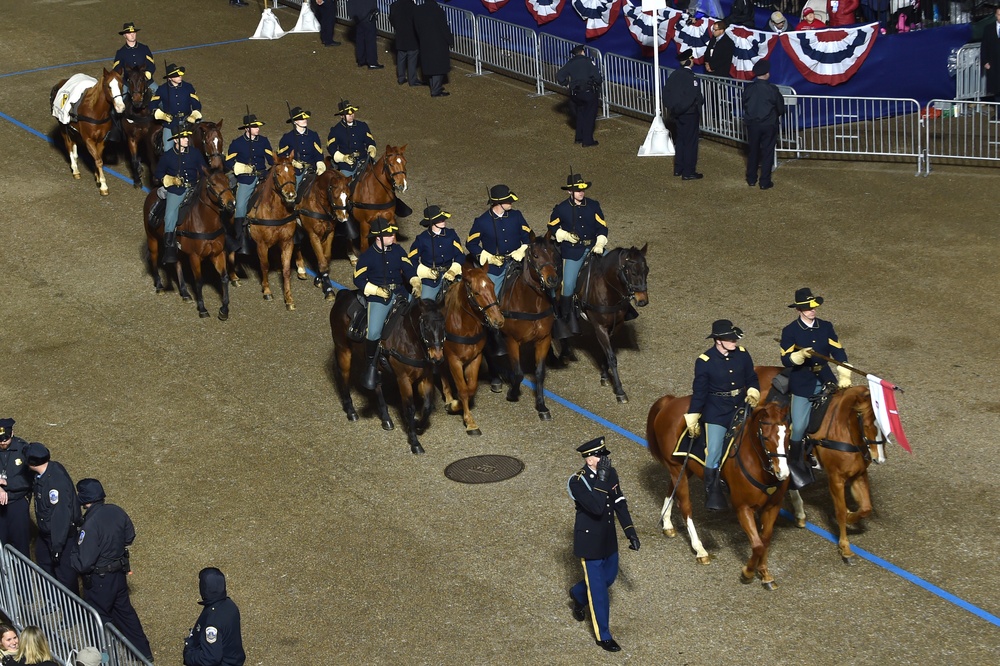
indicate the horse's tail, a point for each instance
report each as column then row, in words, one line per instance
column 651, row 438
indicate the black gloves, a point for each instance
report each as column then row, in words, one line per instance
column 633, row 543
column 603, row 465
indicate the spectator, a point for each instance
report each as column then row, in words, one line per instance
column 741, row 13
column 407, row 50
column 57, row 511
column 989, row 56
column 777, row 23
column 364, row 13
column 15, row 490
column 8, row 644
column 326, row 14
column 216, row 639
column 89, row 656
column 434, row 37
column 721, row 48
column 841, row 12
column 810, row 21
column 34, row 649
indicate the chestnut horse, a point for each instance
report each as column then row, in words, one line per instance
column 373, row 192
column 320, row 208
column 92, row 122
column 846, row 443
column 469, row 306
column 604, row 292
column 137, row 120
column 202, row 236
column 756, row 473
column 413, row 348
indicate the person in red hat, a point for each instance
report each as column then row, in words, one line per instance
column 810, row 21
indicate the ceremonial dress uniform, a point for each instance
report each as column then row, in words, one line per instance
column 497, row 238
column 583, row 78
column 175, row 104
column 135, row 55
column 248, row 157
column 15, row 496
column 348, row 141
column 763, row 106
column 436, row 254
column 306, row 146
column 56, row 512
column 179, row 170
column 683, row 98
column 216, row 639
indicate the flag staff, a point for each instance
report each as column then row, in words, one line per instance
column 658, row 142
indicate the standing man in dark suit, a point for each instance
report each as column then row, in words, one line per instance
column 763, row 106
column 364, row 12
column 15, row 489
column 326, row 14
column 407, row 47
column 434, row 37
column 598, row 496
column 683, row 98
column 721, row 48
column 989, row 56
column 583, row 78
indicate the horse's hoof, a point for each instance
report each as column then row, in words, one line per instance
column 204, row 314
column 289, row 306
column 769, row 585
column 416, row 449
column 622, row 399
column 604, row 381
column 234, row 283
column 76, row 176
column 800, row 523
column 160, row 291
column 105, row 193
column 744, row 579
column 703, row 560
column 302, row 276
column 137, row 185
column 330, row 296
column 545, row 416
column 850, row 560
column 187, row 299
column 352, row 416
column 388, row 425
column 223, row 316
column 268, row 297
column 670, row 533
column 512, row 397
column 475, row 432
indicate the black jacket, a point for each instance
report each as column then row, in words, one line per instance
column 720, row 55
column 216, row 639
column 401, row 18
column 434, row 37
column 762, row 103
column 597, row 504
column 56, row 507
column 682, row 94
column 105, row 533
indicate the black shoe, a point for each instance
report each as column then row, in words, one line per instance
column 370, row 377
column 169, row 255
column 677, row 174
column 419, row 83
column 714, row 499
column 579, row 610
column 376, row 66
column 751, row 183
column 588, row 145
column 694, row 176
column 243, row 245
column 238, row 3
column 443, row 93
column 766, row 187
column 333, row 43
column 361, row 64
column 801, row 473
column 401, row 82
column 610, row 645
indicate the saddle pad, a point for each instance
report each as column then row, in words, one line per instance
column 69, row 94
column 697, row 450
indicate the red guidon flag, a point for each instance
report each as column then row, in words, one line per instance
column 886, row 413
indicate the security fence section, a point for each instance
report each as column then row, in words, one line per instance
column 510, row 48
column 970, row 81
column 958, row 132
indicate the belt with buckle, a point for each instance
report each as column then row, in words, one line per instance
column 727, row 394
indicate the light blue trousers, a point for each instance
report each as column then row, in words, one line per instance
column 714, row 436
column 243, row 193
column 172, row 209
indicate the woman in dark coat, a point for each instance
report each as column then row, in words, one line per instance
column 435, row 40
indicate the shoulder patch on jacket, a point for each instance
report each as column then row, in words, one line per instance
column 702, row 357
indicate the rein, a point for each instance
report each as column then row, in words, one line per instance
column 847, row 447
column 388, row 186
column 535, row 283
column 767, row 489
column 626, row 294
column 277, row 189
column 478, row 316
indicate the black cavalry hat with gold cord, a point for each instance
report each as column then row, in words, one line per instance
column 297, row 113
column 575, row 182
column 433, row 215
column 128, row 28
column 804, row 300
column 594, row 447
column 723, row 329
column 344, row 107
column 502, row 194
column 250, row 120
column 382, row 227
column 173, row 70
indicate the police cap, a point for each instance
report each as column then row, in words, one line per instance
column 594, row 447
column 37, row 454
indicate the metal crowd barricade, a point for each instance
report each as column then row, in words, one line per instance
column 382, row 24
column 722, row 114
column 510, row 48
column 553, row 53
column 961, row 132
column 628, row 85
column 465, row 35
column 970, row 81
column 120, row 650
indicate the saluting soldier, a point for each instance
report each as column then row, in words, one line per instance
column 248, row 157
column 583, row 77
column 597, row 493
column 175, row 103
column 683, row 98
column 305, row 143
column 56, row 511
column 808, row 333
column 217, row 637
column 579, row 227
column 15, row 489
column 349, row 139
column 724, row 379
column 178, row 170
column 382, row 273
column 135, row 54
column 436, row 253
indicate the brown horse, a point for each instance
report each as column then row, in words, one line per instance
column 137, row 121
column 320, row 208
column 92, row 122
column 413, row 348
column 374, row 190
column 604, row 292
column 846, row 443
column 469, row 306
column 756, row 473
column 202, row 236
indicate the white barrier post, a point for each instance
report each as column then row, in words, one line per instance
column 658, row 142
column 268, row 28
column 307, row 20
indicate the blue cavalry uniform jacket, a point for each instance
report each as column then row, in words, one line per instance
column 498, row 235
column 216, row 639
column 585, row 220
column 134, row 56
column 353, row 138
column 185, row 165
column 178, row 101
column 597, row 503
column 384, row 268
column 306, row 146
column 436, row 251
column 720, row 384
column 820, row 337
column 255, row 152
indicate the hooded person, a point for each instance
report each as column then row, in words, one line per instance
column 216, row 638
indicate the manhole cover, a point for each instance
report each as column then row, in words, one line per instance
column 484, row 469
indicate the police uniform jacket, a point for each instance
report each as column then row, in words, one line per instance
column 255, row 152
column 105, row 533
column 597, row 503
column 762, row 103
column 56, row 506
column 580, row 73
column 585, row 220
column 178, row 101
column 820, row 337
column 305, row 144
column 14, row 468
column 681, row 94
column 134, row 56
column 384, row 268
column 498, row 235
column 437, row 251
column 353, row 138
column 185, row 165
column 715, row 374
column 216, row 639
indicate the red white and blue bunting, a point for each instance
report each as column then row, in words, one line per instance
column 830, row 56
column 600, row 15
column 494, row 5
column 751, row 46
column 545, row 10
column 691, row 33
column 640, row 26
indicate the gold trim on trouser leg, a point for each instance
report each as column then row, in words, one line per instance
column 590, row 600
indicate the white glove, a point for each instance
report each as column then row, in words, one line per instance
column 320, row 168
column 372, row 151
column 241, row 169
column 415, row 286
column 843, row 376
column 453, row 271
column 518, row 254
column 372, row 290
column 599, row 244
column 753, row 397
column 487, row 258
column 171, row 181
column 298, row 165
column 426, row 273
column 160, row 114
column 799, row 357
column 149, row 75
column 694, row 427
column 566, row 237
column 341, row 157
column 195, row 115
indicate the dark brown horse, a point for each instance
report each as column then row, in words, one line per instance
column 202, row 236
column 469, row 306
column 92, row 122
column 137, row 121
column 846, row 443
column 413, row 348
column 375, row 188
column 604, row 293
column 320, row 208
column 756, row 473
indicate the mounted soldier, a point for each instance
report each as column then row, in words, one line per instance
column 249, row 156
column 135, row 54
column 175, row 103
column 305, row 143
column 437, row 254
column 350, row 140
column 179, row 170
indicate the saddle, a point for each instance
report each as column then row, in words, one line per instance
column 697, row 448
column 187, row 203
column 778, row 393
column 512, row 269
column 67, row 98
column 820, row 405
column 399, row 308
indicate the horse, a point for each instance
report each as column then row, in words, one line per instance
column 202, row 236
column 321, row 206
column 469, row 305
column 373, row 191
column 137, row 121
column 604, row 291
column 846, row 443
column 756, row 473
column 413, row 347
column 92, row 122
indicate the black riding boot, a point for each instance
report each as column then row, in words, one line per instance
column 242, row 236
column 370, row 378
column 560, row 327
column 714, row 499
column 169, row 247
column 496, row 343
column 569, row 314
column 801, row 473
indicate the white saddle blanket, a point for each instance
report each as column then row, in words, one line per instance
column 70, row 94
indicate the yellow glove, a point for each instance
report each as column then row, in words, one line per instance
column 599, row 244
column 415, row 286
column 518, row 254
column 799, row 357
column 341, row 157
column 566, row 237
column 195, row 116
column 453, row 271
column 371, row 151
column 694, row 427
column 487, row 258
column 320, row 168
column 241, row 169
column 426, row 272
column 298, row 165
column 753, row 397
column 171, row 181
column 160, row 114
column 149, row 75
column 843, row 376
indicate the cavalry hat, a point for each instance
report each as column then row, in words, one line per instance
column 723, row 329
column 89, row 490
column 6, row 428
column 382, row 227
column 173, row 70
column 37, row 454
column 297, row 113
column 127, row 28
column 685, row 55
column 88, row 656
column 594, row 447
column 433, row 215
column 575, row 181
column 502, row 194
column 804, row 299
column 250, row 120
column 344, row 107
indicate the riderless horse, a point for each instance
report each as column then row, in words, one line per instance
column 373, row 191
column 322, row 204
column 137, row 119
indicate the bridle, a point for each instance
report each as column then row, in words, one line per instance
column 766, row 462
column 280, row 187
column 536, row 268
column 205, row 143
column 480, row 310
column 215, row 196
column 389, row 173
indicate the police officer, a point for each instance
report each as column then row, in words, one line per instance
column 382, row 273
column 579, row 227
column 15, row 489
column 683, row 98
column 305, row 144
column 763, row 107
column 175, row 103
column 724, row 379
column 436, row 253
column 808, row 333
column 248, row 157
column 57, row 512
column 598, row 496
column 178, row 170
column 135, row 54
column 216, row 639
column 583, row 77
column 349, row 139
column 101, row 559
